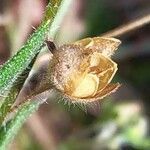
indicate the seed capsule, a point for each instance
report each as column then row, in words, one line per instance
column 82, row 71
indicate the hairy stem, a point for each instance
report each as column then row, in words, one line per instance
column 8, row 133
column 10, row 130
column 11, row 70
column 7, row 102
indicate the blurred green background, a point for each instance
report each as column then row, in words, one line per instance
column 120, row 121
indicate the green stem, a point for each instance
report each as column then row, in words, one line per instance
column 10, row 130
column 20, row 61
column 6, row 103
column 17, row 64
column 8, row 133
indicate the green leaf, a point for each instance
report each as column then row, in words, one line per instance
column 7, row 102
column 11, row 70
column 8, row 132
column 16, row 65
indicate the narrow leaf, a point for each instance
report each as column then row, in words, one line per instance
column 19, row 62
column 9, row 131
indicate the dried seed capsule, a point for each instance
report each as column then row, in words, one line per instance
column 82, row 71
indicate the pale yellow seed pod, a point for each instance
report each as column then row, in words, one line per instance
column 82, row 71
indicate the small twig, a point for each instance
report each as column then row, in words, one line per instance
column 131, row 26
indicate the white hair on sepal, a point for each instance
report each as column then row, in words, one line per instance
column 82, row 106
column 66, row 100
column 63, row 99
